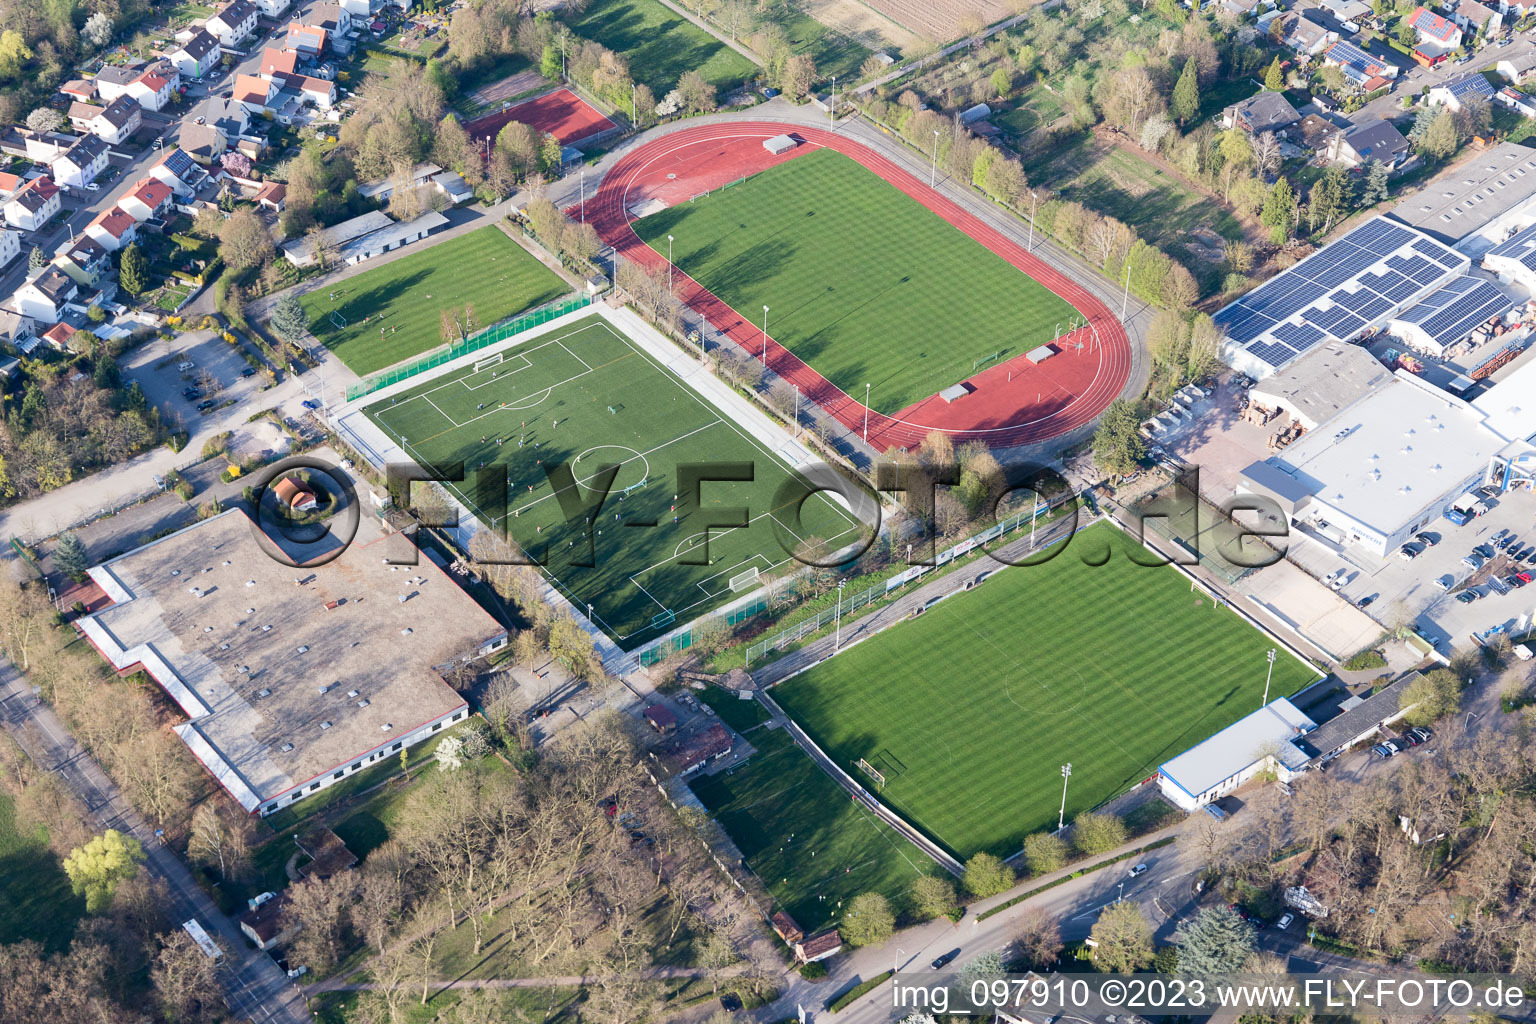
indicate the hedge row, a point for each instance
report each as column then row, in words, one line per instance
column 858, row 990
column 1037, row 890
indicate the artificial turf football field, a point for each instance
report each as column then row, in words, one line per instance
column 810, row 844
column 483, row 268
column 863, row 283
column 973, row 707
column 586, row 395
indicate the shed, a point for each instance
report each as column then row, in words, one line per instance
column 779, row 144
column 818, row 947
column 661, row 719
column 786, row 928
column 294, row 494
column 975, row 113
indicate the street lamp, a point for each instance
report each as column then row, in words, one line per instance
column 1122, row 893
column 1061, row 819
column 1033, row 198
column 933, row 170
column 1125, row 300
column 669, row 263
column 896, row 963
column 837, row 636
column 583, row 176
column 1269, row 674
column 866, row 413
column 832, row 107
column 765, row 336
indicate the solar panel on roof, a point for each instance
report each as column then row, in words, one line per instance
column 1401, row 292
column 1375, row 309
column 1299, row 336
column 1273, row 353
column 1348, row 327
column 1250, row 327
column 1428, row 274
column 1324, row 318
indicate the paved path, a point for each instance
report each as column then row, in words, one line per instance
column 560, row 980
column 254, row 988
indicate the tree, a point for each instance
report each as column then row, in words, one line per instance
column 1274, row 78
column 236, row 163
column 1238, row 256
column 869, row 921
column 45, row 119
column 1097, row 833
column 14, row 52
column 1217, row 941
column 1001, row 82
column 1118, row 446
column 1375, row 190
column 1440, row 139
column 97, row 30
column 70, row 556
column 244, row 241
column 133, row 270
column 1431, row 696
column 319, row 906
column 986, row 875
column 185, row 977
column 37, row 259
column 799, row 73
column 1038, row 941
column 1180, row 289
column 696, row 95
column 1279, row 211
column 96, row 868
column 1266, row 153
column 1124, row 937
column 218, row 843
column 1186, row 94
column 1044, row 852
column 289, row 318
column 549, row 61
column 933, row 897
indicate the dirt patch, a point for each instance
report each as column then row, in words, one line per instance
column 864, row 24
column 506, row 88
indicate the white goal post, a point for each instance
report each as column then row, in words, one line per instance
column 872, row 772
column 488, row 361
column 743, row 579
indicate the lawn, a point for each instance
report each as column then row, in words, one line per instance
column 833, row 52
column 586, row 395
column 972, row 708
column 484, row 268
column 739, row 714
column 863, row 283
column 35, row 898
column 661, row 45
column 811, row 845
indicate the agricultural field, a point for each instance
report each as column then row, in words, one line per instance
column 865, row 284
column 811, row 845
column 405, row 299
column 970, row 710
column 661, row 44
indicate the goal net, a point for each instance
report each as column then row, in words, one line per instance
column 872, row 772
column 337, row 320
column 488, row 361
column 744, row 579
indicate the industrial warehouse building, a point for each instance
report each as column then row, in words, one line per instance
column 291, row 678
column 1347, row 289
column 1263, row 741
column 1478, row 204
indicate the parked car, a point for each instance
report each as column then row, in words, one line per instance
column 1407, row 552
column 1422, row 733
column 1397, row 746
column 311, row 403
column 206, row 404
column 298, row 972
column 1285, row 921
column 1467, row 596
column 1445, row 582
column 1504, row 543
column 1499, row 536
column 1484, row 551
column 1335, row 579
column 1427, row 539
column 1409, row 738
column 256, row 901
column 1382, row 750
column 943, row 960
column 91, row 186
column 1365, row 602
column 249, row 371
column 1523, row 576
column 1139, row 869
column 1472, row 561
column 191, row 394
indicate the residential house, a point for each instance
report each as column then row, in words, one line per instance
column 78, row 90
column 360, row 10
column 1364, row 70
column 314, row 91
column 1517, row 69
column 82, row 162
column 454, row 187
column 34, row 204
column 308, row 40
column 203, row 142
column 156, row 86
column 10, row 246
column 113, row 80
column 1304, row 36
column 1434, row 36
column 10, row 184
column 332, row 17
column 1516, row 100
column 46, row 147
column 818, row 947
column 17, row 331
column 197, row 56
column 177, row 170
column 1475, row 19
column 1456, row 92
column 85, row 260
column 1262, row 112
column 273, row 8
column 272, row 196
column 253, row 93
column 1371, row 140
column 270, row 924
column 43, row 297
column 234, row 23
column 113, row 228
column 229, row 116
column 58, row 335
column 82, row 115
column 276, row 62
column 147, row 199
column 118, row 121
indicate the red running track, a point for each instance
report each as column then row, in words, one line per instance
column 1013, row 403
column 561, row 113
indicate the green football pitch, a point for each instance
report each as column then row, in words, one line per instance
column 812, row 846
column 586, row 395
column 863, row 283
column 405, row 299
column 971, row 709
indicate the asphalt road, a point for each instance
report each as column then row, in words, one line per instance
column 254, row 988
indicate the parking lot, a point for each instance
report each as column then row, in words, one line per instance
column 218, row 372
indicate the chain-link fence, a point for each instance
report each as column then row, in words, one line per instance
column 474, row 343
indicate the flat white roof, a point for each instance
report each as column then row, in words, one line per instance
column 1269, row 730
column 1472, row 193
column 1509, row 407
column 1397, row 449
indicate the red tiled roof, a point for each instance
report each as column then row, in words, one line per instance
column 43, row 187
column 151, row 192
column 274, row 61
column 115, row 222
column 9, row 182
column 250, row 89
column 153, row 82
column 59, row 334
